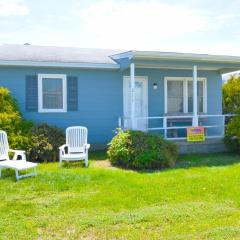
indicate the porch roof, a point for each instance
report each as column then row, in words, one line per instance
column 174, row 60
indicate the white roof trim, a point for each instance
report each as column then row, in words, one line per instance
column 175, row 67
column 60, row 64
column 185, row 56
column 128, row 54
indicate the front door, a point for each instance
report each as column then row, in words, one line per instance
column 141, row 102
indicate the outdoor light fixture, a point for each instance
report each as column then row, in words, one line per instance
column 155, row 86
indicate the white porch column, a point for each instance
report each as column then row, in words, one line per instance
column 132, row 79
column 195, row 105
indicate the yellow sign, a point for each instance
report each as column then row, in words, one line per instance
column 195, row 134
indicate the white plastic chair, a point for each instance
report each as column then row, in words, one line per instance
column 76, row 147
column 14, row 163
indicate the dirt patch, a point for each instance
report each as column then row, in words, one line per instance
column 102, row 164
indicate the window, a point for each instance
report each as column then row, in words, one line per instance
column 200, row 91
column 179, row 95
column 175, row 96
column 52, row 92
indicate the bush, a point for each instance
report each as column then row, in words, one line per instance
column 45, row 143
column 232, row 134
column 231, row 96
column 139, row 150
column 11, row 121
column 231, row 104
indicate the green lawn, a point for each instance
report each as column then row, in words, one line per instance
column 199, row 199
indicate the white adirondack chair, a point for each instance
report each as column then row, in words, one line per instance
column 17, row 165
column 76, row 147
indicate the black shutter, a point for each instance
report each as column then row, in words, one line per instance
column 32, row 93
column 72, row 93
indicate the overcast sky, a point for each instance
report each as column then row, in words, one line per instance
column 201, row 26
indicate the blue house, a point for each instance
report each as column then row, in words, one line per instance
column 158, row 92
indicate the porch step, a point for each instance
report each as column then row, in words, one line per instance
column 208, row 146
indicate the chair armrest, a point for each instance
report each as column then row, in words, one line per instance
column 62, row 149
column 17, row 153
column 87, row 146
column 63, row 146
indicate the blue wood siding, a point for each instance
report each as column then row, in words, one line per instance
column 100, row 96
column 99, row 100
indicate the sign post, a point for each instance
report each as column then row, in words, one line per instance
column 195, row 134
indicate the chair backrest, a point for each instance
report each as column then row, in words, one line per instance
column 76, row 138
column 4, row 146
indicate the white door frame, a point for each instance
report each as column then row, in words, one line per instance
column 126, row 81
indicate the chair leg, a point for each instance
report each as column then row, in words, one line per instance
column 60, row 161
column 31, row 174
column 35, row 171
column 86, row 161
column 17, row 175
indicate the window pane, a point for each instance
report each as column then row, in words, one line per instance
column 199, row 98
column 190, row 96
column 52, row 93
column 175, row 96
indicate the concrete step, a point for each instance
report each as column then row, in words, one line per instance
column 208, row 146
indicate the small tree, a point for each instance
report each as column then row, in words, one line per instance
column 11, row 121
column 231, row 96
column 231, row 104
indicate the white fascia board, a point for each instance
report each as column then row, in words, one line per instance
column 182, row 67
column 183, row 56
column 200, row 68
column 60, row 64
column 128, row 54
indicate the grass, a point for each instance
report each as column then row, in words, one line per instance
column 199, row 199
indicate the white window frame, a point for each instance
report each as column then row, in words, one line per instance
column 40, row 92
column 185, row 92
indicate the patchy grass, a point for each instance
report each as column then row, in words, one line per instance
column 199, row 199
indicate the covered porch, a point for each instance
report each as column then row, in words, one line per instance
column 189, row 94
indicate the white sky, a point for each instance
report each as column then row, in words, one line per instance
column 165, row 25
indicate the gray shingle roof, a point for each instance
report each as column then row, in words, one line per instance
column 15, row 52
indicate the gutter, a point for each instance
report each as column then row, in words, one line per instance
column 60, row 64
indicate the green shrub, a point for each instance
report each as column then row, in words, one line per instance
column 231, row 104
column 232, row 134
column 231, row 96
column 46, row 140
column 11, row 121
column 139, row 150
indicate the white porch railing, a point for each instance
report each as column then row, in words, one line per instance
column 166, row 124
